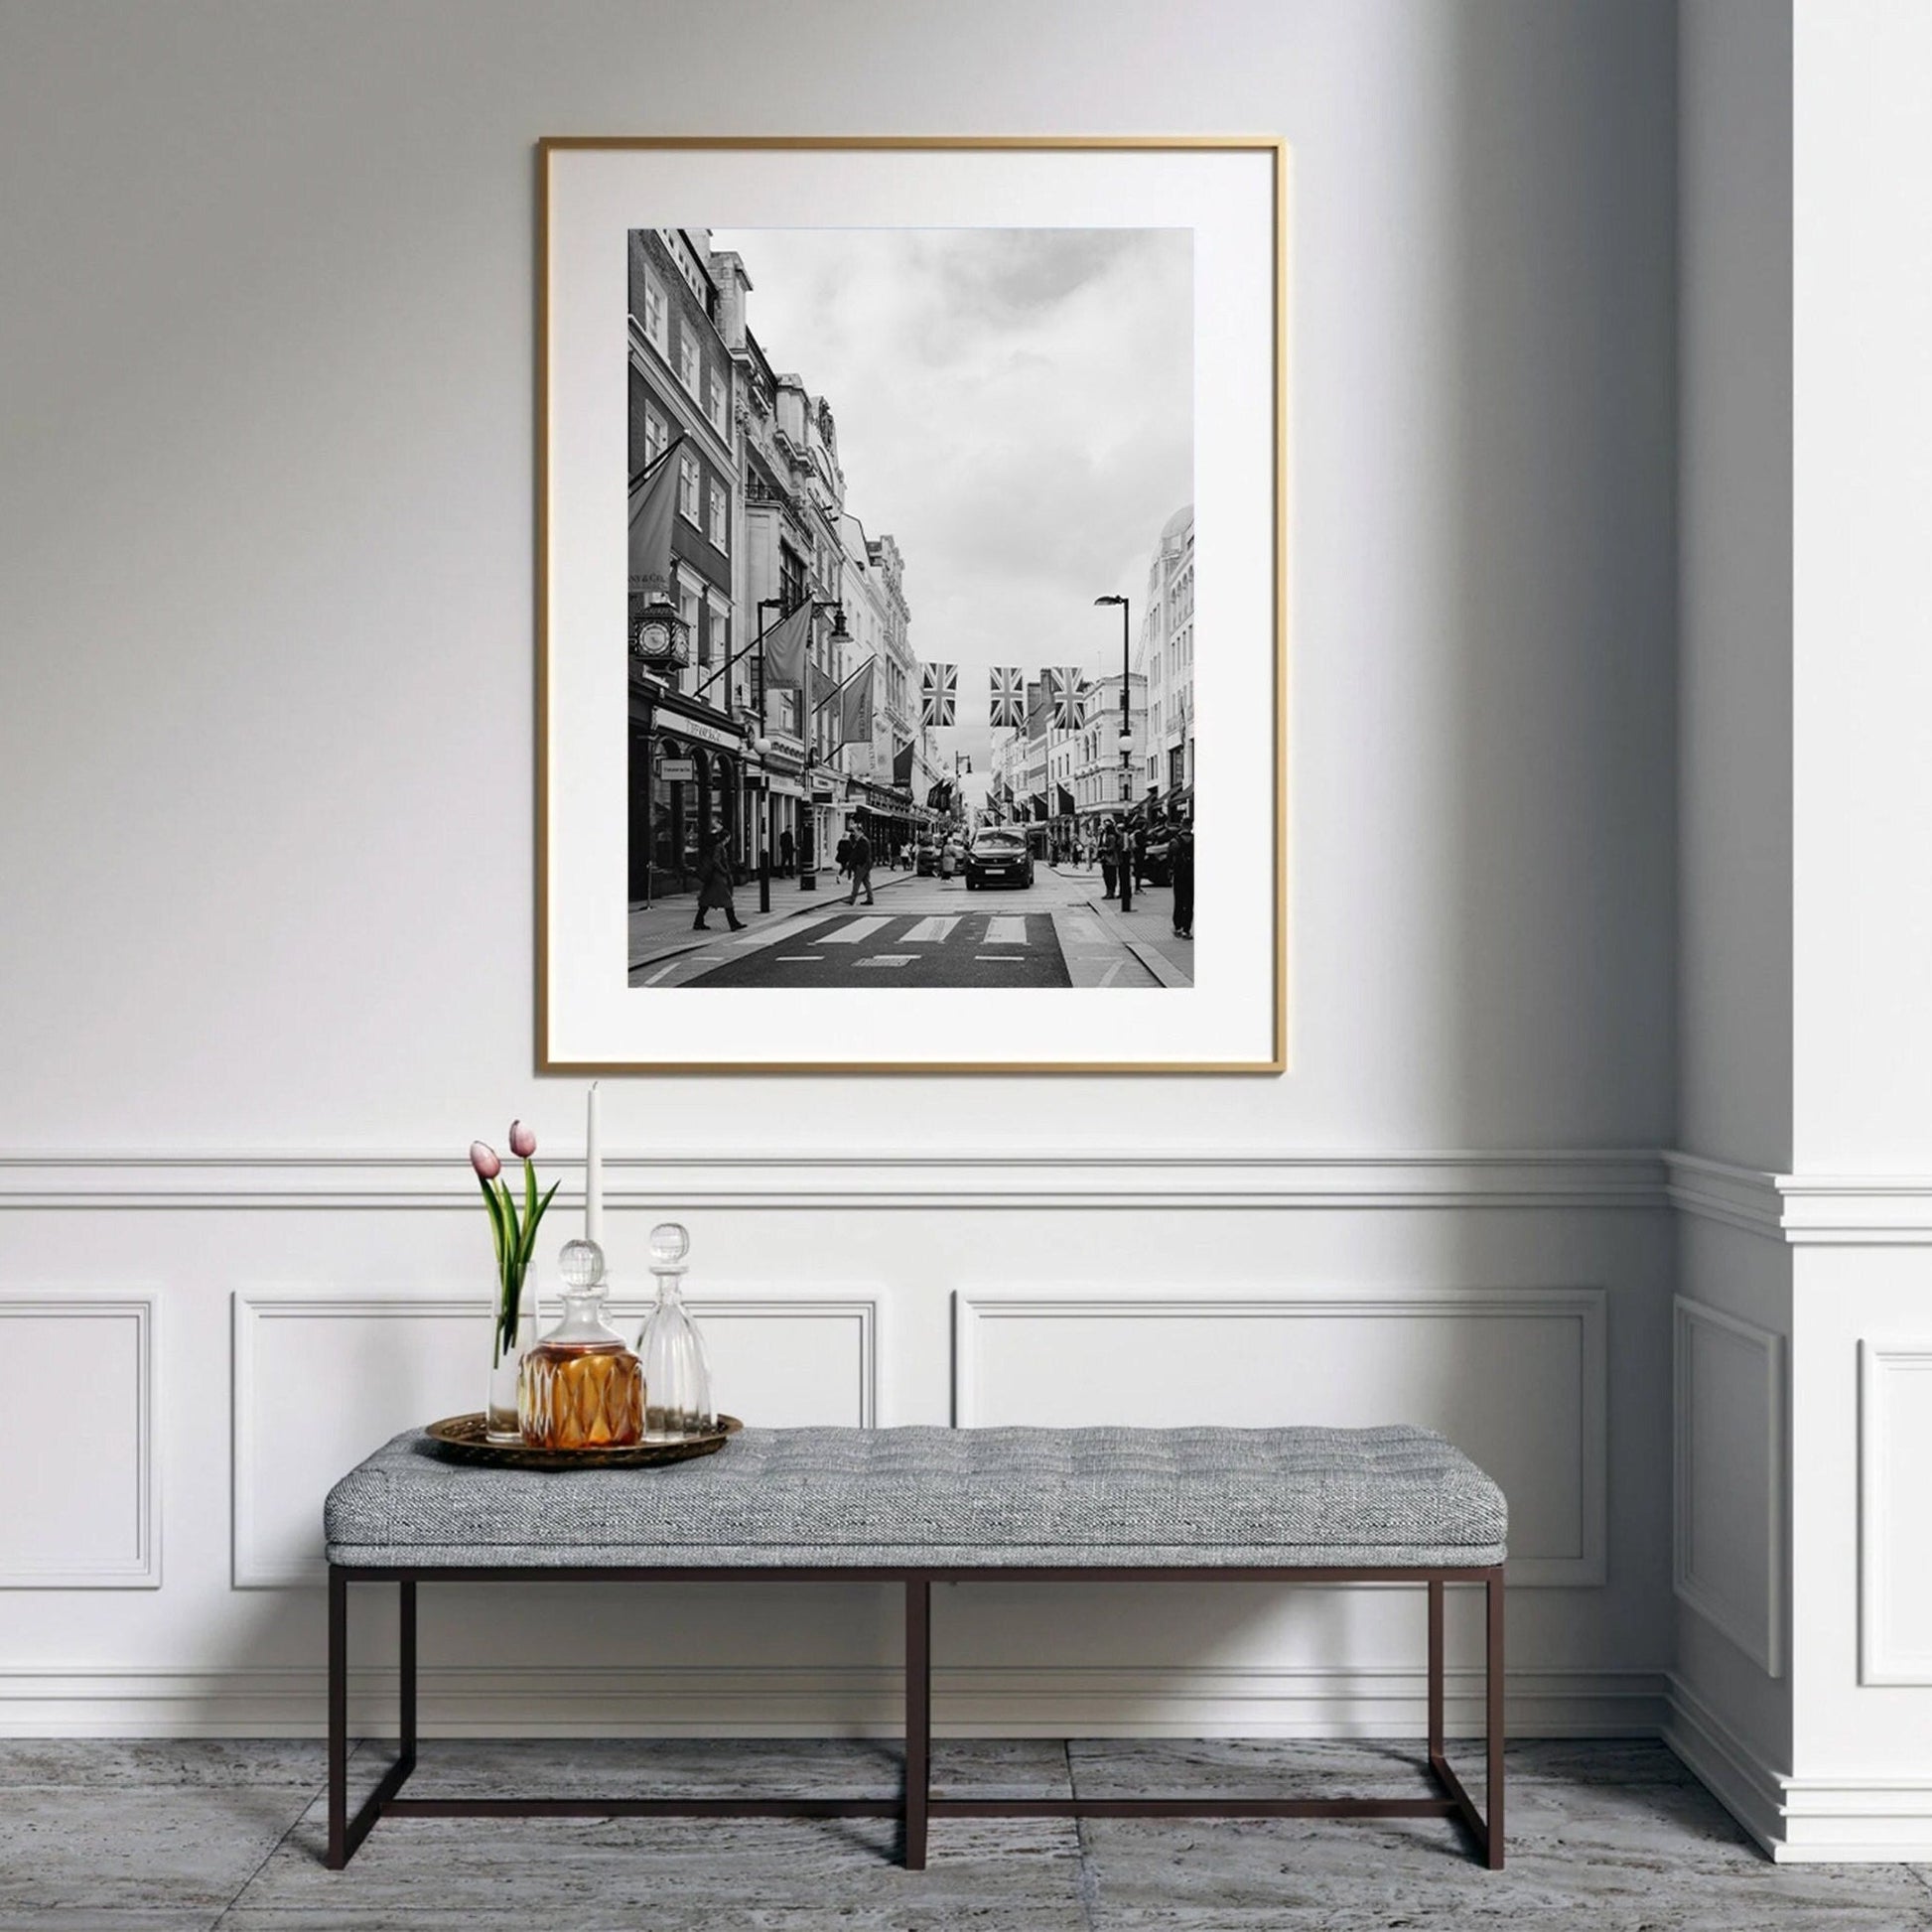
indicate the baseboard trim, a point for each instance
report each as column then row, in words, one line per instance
column 1796, row 1820
column 781, row 1701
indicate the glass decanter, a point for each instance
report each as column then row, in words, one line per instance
column 581, row 1387
column 677, row 1384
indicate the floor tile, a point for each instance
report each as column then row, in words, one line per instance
column 145, row 1763
column 177, row 1848
column 666, row 1873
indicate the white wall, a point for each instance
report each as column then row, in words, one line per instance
column 1734, row 888
column 1804, row 1392
column 265, row 524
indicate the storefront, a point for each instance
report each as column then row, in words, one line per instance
column 686, row 773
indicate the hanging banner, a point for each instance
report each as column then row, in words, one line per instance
column 1008, row 707
column 939, row 694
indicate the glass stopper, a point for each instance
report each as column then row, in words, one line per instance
column 581, row 1264
column 670, row 1242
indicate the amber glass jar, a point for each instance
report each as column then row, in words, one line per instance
column 581, row 1387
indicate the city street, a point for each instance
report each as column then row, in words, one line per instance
column 929, row 933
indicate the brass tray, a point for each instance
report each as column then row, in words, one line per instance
column 461, row 1439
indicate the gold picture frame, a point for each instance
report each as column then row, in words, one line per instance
column 578, row 1049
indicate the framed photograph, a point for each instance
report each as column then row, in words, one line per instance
column 913, row 531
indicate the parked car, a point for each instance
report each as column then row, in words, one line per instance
column 998, row 857
column 1159, row 868
column 925, row 862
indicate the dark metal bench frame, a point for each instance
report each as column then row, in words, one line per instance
column 916, row 1806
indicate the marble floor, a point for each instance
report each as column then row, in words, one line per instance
column 186, row 1836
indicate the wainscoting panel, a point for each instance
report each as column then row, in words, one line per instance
column 320, row 1380
column 1515, row 1376
column 78, row 1470
column 1727, row 1538
column 1895, row 1557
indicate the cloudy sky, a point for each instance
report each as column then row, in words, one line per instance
column 1014, row 405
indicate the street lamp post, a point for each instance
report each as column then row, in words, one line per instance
column 1126, row 756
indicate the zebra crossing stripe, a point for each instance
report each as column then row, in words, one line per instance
column 855, row 930
column 1006, row 930
column 929, row 933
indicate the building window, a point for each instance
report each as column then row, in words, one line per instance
column 720, row 535
column 687, row 609
column 687, row 358
column 687, row 488
column 656, row 437
column 792, row 578
column 654, row 314
column 716, row 406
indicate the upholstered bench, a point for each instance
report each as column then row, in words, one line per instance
column 919, row 1506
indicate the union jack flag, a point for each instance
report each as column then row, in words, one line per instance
column 1068, row 687
column 939, row 694
column 1008, row 696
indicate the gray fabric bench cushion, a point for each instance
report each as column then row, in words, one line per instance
column 944, row 1498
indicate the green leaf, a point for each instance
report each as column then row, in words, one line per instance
column 536, row 1215
column 496, row 1229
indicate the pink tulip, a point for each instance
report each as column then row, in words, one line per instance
column 484, row 1159
column 523, row 1142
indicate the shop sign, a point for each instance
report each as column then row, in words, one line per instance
column 678, row 772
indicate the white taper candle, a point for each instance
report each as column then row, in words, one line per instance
column 593, row 1173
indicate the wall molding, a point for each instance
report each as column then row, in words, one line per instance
column 1586, row 1307
column 1880, row 1366
column 1757, row 1630
column 251, row 1569
column 816, row 1700
column 1803, row 1209
column 143, row 1569
column 888, row 1178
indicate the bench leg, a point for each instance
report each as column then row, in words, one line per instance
column 918, row 1719
column 338, row 1718
column 1487, row 1832
column 406, row 1660
column 1435, row 1669
column 346, row 1833
column 1493, row 1673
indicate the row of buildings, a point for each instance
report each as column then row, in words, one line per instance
column 1070, row 779
column 760, row 525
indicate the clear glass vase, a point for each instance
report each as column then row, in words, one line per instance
column 505, row 1366
column 677, row 1382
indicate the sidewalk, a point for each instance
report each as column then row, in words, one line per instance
column 1148, row 928
column 662, row 930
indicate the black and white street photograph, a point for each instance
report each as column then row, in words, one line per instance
column 911, row 641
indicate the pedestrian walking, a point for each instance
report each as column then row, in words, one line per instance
column 844, row 855
column 715, row 885
column 787, row 853
column 860, row 861
column 1140, row 856
column 1182, row 857
column 1109, row 856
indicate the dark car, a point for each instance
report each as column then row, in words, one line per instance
column 1157, row 867
column 926, row 860
column 998, row 857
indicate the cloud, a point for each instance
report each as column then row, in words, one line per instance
column 1014, row 407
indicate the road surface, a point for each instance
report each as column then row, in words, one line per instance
column 929, row 933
